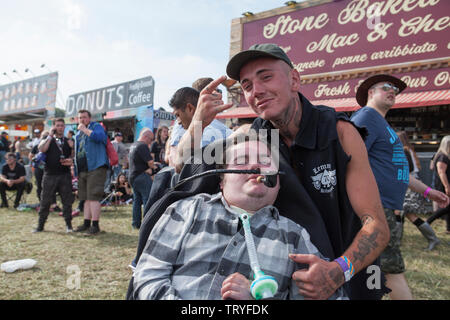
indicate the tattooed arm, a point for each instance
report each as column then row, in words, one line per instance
column 323, row 278
column 363, row 194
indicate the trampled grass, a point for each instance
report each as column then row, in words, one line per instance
column 427, row 273
column 103, row 260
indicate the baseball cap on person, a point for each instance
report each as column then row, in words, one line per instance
column 36, row 131
column 118, row 134
column 265, row 50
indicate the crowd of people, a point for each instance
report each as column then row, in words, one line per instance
column 337, row 209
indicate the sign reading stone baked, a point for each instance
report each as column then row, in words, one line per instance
column 120, row 96
column 346, row 35
column 358, row 33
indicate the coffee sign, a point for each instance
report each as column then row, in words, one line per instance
column 120, row 96
column 354, row 34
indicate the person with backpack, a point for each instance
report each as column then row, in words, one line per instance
column 37, row 160
column 91, row 163
column 38, row 163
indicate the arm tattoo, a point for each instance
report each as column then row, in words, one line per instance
column 366, row 219
column 366, row 244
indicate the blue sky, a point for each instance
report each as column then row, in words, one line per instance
column 98, row 43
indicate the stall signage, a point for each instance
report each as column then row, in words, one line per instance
column 29, row 95
column 418, row 81
column 120, row 96
column 353, row 34
column 163, row 115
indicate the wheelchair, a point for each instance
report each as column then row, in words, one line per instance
column 193, row 179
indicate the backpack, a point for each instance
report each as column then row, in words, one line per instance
column 38, row 160
column 112, row 153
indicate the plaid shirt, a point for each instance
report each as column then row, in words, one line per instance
column 199, row 242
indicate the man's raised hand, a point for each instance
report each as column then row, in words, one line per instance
column 210, row 103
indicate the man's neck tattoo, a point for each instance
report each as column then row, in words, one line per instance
column 291, row 116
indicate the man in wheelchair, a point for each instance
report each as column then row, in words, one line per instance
column 202, row 247
column 12, row 178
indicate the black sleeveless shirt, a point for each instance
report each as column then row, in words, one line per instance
column 313, row 192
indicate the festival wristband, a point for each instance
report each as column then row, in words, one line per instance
column 425, row 194
column 346, row 266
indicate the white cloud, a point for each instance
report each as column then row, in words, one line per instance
column 74, row 15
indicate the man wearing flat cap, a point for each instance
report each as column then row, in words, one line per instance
column 391, row 170
column 328, row 187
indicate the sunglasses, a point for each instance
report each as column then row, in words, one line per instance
column 387, row 86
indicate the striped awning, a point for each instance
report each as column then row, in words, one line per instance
column 403, row 100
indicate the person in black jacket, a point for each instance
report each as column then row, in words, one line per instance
column 327, row 172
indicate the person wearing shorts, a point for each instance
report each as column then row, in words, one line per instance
column 92, row 191
column 391, row 259
column 376, row 95
column 91, row 167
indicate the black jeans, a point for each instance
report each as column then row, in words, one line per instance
column 51, row 184
column 38, row 173
column 20, row 187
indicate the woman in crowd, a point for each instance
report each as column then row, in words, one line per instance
column 414, row 202
column 122, row 188
column 157, row 148
column 442, row 180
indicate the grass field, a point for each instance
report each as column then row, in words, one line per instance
column 79, row 267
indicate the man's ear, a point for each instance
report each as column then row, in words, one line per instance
column 191, row 108
column 369, row 94
column 295, row 80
